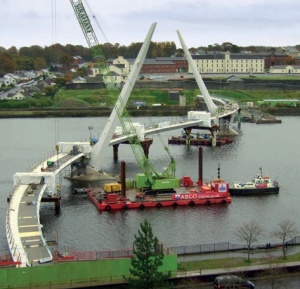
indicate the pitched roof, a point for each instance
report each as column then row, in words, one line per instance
column 233, row 78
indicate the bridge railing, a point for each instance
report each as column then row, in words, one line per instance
column 14, row 241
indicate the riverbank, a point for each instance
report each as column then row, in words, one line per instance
column 133, row 111
column 93, row 112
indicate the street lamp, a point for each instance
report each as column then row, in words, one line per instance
column 57, row 149
column 90, row 129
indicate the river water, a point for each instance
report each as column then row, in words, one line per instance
column 274, row 147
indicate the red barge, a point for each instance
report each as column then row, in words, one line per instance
column 216, row 192
column 119, row 196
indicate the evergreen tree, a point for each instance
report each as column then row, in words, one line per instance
column 146, row 260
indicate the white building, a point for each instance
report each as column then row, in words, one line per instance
column 285, row 69
column 4, row 81
column 122, row 64
column 229, row 63
column 12, row 78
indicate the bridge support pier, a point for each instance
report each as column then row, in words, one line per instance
column 239, row 118
column 115, row 151
column 145, row 145
column 57, row 206
column 188, row 135
column 56, row 200
column 213, row 131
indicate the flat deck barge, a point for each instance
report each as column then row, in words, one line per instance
column 198, row 141
column 217, row 192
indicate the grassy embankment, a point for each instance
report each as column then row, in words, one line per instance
column 234, row 262
column 95, row 97
column 98, row 102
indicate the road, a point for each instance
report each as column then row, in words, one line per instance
column 17, row 88
column 291, row 282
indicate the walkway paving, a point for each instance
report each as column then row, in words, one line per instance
column 261, row 253
column 23, row 229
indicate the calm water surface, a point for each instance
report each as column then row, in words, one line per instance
column 274, row 147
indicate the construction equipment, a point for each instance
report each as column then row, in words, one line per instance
column 150, row 180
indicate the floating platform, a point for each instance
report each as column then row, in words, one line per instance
column 175, row 193
column 265, row 121
column 217, row 192
column 198, row 141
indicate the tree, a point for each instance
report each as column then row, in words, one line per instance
column 25, row 63
column 39, row 63
column 146, row 261
column 290, row 60
column 66, row 60
column 7, row 63
column 179, row 52
column 285, row 230
column 250, row 233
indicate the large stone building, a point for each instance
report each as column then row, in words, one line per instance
column 213, row 63
column 229, row 63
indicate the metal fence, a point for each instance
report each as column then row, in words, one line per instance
column 206, row 248
column 227, row 246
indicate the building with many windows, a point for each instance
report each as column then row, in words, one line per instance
column 229, row 63
column 285, row 69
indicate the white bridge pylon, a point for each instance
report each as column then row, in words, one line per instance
column 97, row 151
column 208, row 100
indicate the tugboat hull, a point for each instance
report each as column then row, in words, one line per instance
column 254, row 191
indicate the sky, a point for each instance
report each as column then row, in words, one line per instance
column 271, row 23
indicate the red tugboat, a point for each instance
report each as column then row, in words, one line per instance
column 114, row 196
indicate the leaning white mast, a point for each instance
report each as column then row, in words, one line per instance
column 210, row 104
column 97, row 155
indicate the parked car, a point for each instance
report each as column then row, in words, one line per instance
column 232, row 282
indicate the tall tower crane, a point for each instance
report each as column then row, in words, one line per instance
column 150, row 179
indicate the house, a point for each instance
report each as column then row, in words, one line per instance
column 181, row 63
column 56, row 67
column 285, row 69
column 152, row 65
column 13, row 79
column 118, row 79
column 15, row 96
column 4, row 81
column 274, row 58
column 26, row 75
column 79, row 79
column 30, row 91
column 77, row 60
column 43, row 83
column 233, row 78
column 119, row 68
column 291, row 51
column 122, row 64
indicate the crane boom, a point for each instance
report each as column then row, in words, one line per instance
column 120, row 99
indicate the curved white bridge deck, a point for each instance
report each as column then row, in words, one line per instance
column 167, row 126
column 23, row 228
